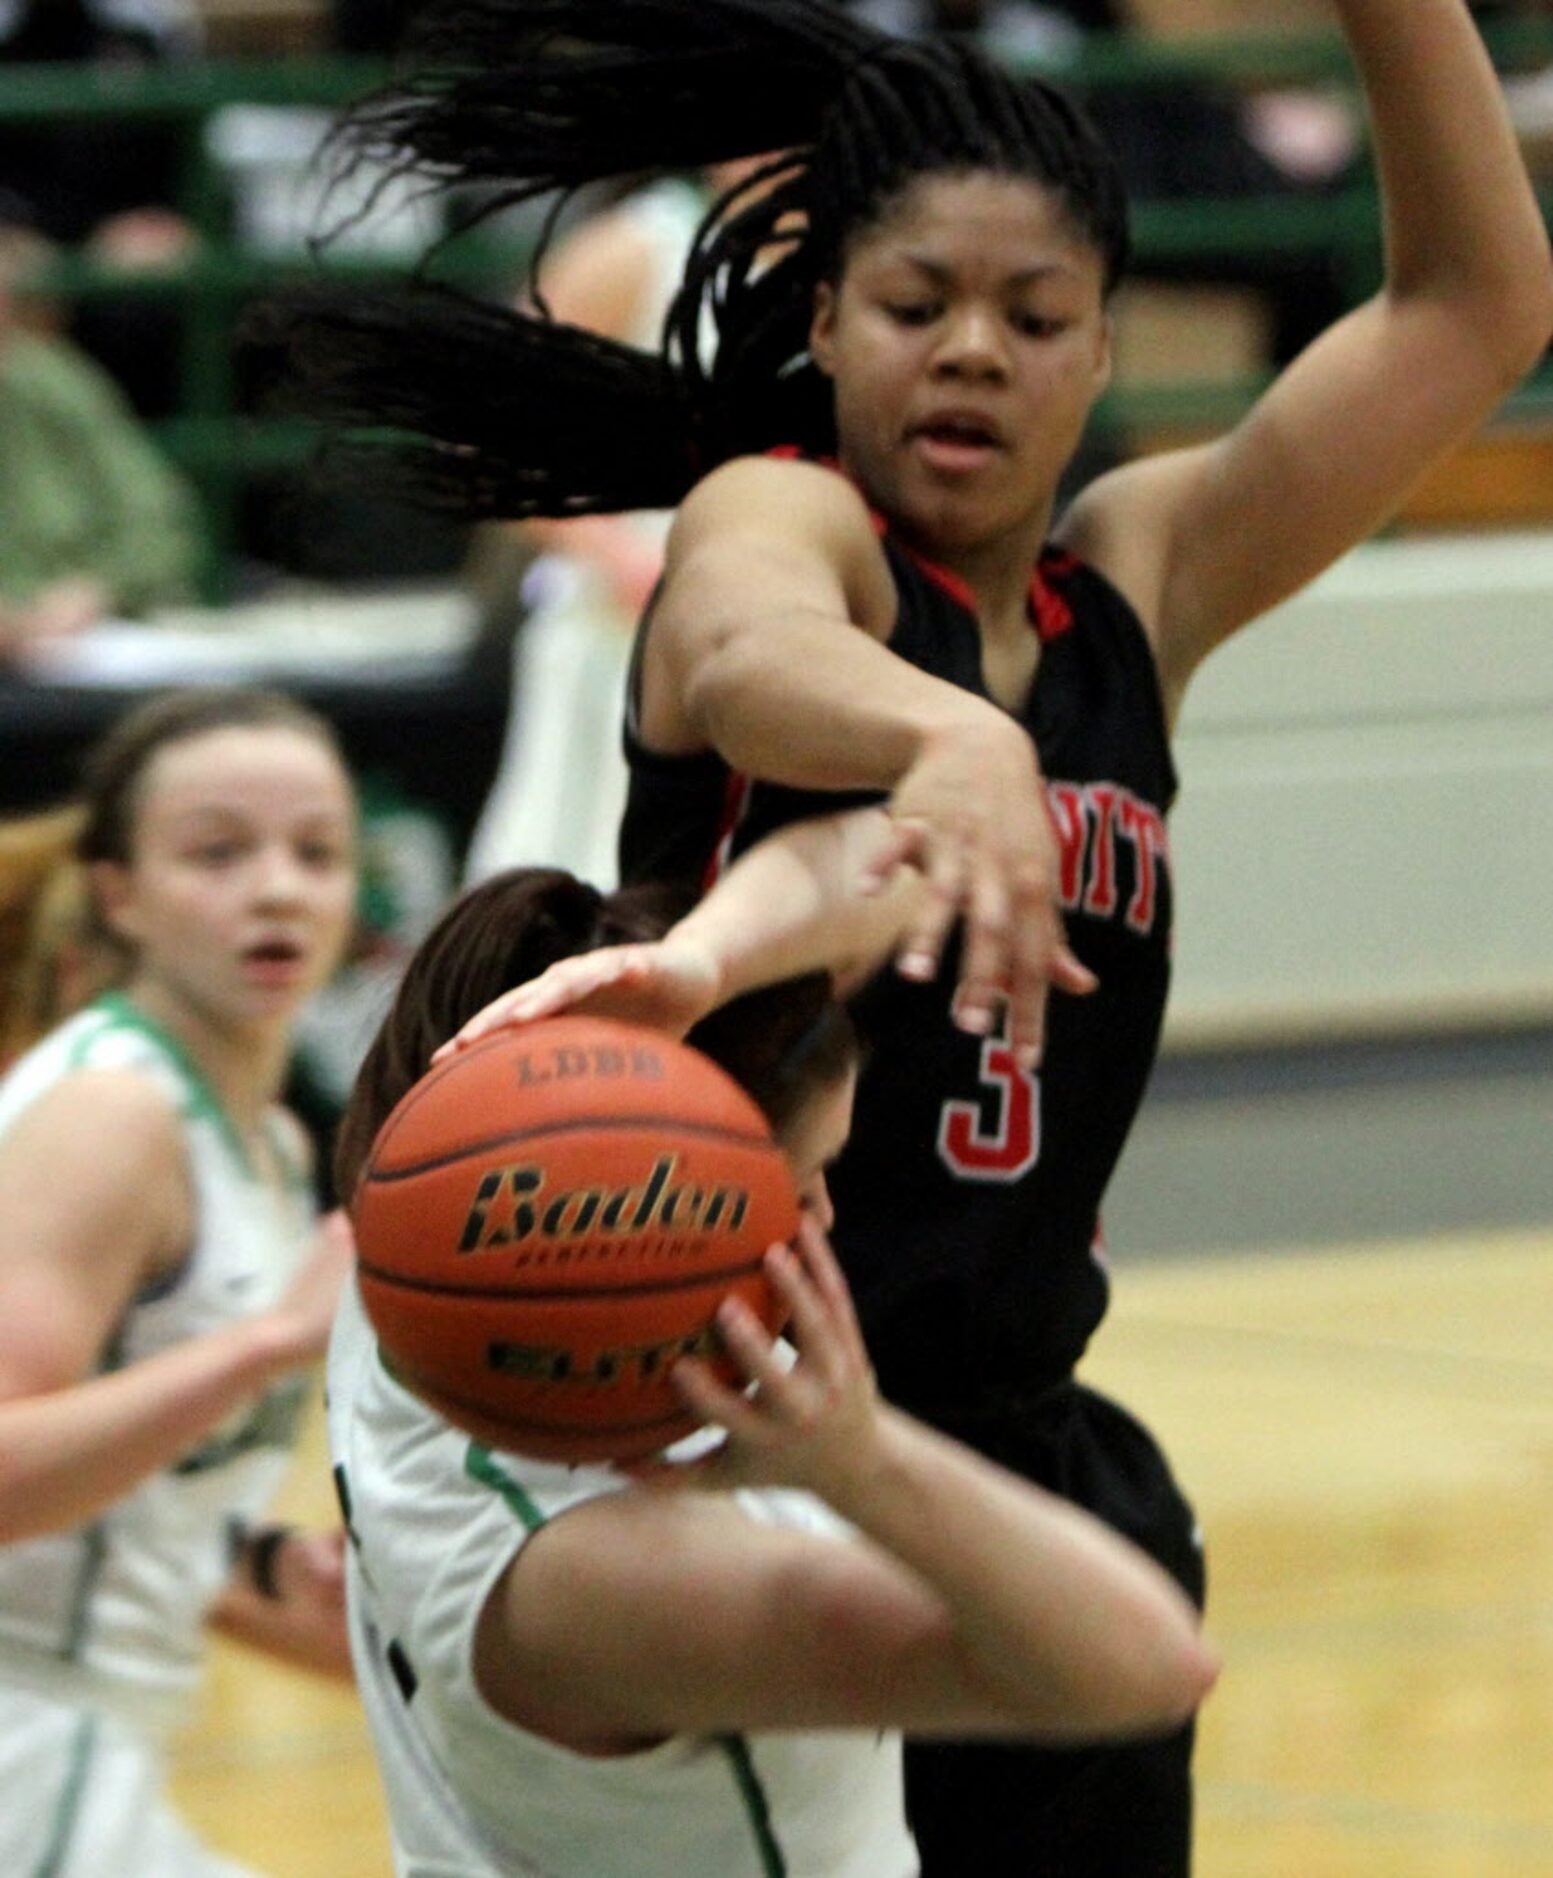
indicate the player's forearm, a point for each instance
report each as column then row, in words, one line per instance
column 68, row 1454
column 1462, row 220
column 794, row 903
column 1063, row 1623
column 814, row 703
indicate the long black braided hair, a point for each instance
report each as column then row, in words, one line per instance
column 484, row 412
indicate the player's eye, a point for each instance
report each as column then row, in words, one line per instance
column 1038, row 325
column 913, row 312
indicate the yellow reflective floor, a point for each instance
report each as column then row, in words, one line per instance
column 1368, row 1436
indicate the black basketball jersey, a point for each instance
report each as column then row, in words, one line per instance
column 968, row 1198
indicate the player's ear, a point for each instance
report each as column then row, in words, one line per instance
column 113, row 890
column 822, row 328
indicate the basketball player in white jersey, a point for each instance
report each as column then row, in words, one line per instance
column 572, row 1674
column 164, row 1281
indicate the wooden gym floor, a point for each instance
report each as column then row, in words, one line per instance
column 1368, row 1434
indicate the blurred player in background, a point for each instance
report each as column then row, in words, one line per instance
column 165, row 1282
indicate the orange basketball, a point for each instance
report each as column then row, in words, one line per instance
column 550, row 1218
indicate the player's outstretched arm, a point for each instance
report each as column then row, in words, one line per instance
column 767, row 645
column 974, row 1604
column 1205, row 540
column 831, row 894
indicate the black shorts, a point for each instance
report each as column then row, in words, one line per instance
column 1109, row 1812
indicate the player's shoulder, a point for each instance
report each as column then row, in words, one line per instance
column 1129, row 524
column 122, row 1097
column 111, row 1128
column 780, row 493
column 795, row 519
column 130, row 1097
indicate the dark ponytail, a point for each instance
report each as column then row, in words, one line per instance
column 530, row 96
column 495, row 414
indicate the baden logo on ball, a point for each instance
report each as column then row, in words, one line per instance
column 549, row 1220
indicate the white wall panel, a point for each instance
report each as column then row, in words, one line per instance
column 1364, row 836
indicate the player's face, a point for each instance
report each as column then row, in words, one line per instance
column 813, row 1139
column 967, row 341
column 239, row 894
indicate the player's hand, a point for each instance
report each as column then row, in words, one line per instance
column 296, row 1611
column 306, row 1313
column 309, row 1573
column 667, row 986
column 987, row 847
column 810, row 1425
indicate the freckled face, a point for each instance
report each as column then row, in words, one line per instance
column 967, row 341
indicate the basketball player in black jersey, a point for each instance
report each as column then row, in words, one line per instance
column 868, row 591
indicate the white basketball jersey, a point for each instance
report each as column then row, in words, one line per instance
column 434, row 1521
column 111, row 1613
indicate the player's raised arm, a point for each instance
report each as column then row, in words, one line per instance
column 833, row 894
column 766, row 646
column 1206, row 540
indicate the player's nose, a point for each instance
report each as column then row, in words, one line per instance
column 973, row 341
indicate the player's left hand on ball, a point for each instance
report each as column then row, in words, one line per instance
column 664, row 986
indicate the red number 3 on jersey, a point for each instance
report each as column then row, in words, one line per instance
column 996, row 1136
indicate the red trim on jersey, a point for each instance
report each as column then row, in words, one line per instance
column 958, row 590
column 736, row 792
column 1050, row 614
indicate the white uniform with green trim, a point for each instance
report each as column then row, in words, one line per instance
column 101, row 1628
column 434, row 1520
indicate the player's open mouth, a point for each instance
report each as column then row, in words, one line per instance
column 274, row 961
column 955, row 442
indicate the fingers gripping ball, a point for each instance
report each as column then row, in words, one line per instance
column 549, row 1219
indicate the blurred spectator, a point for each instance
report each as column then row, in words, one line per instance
column 1008, row 29
column 366, row 26
column 560, row 788
column 108, row 186
column 93, row 521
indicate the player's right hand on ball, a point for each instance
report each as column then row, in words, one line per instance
column 667, row 986
column 812, row 1424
